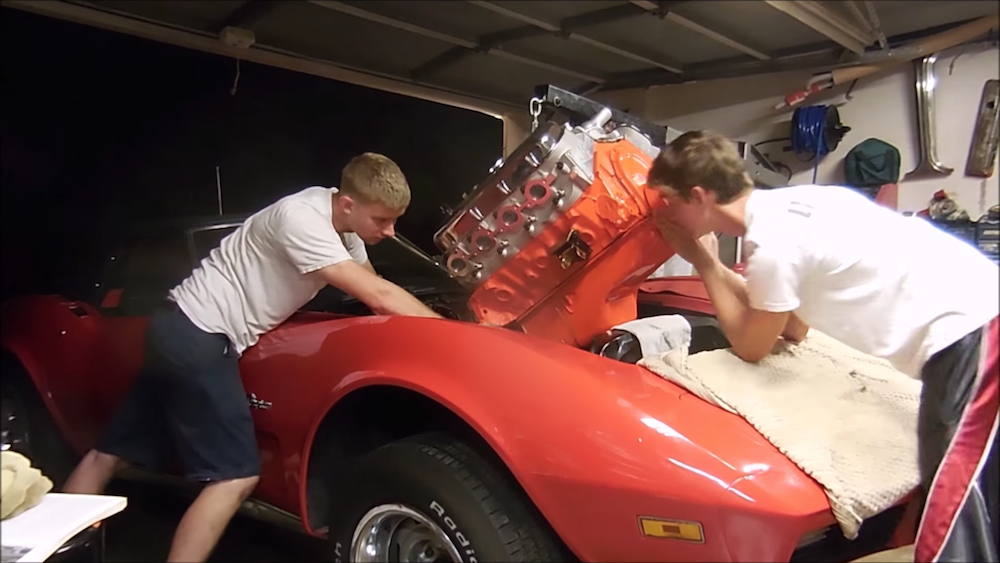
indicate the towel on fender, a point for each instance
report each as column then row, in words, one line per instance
column 21, row 485
column 845, row 418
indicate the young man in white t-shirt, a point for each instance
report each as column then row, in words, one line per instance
column 888, row 285
column 189, row 393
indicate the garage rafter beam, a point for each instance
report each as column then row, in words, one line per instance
column 567, row 30
column 732, row 67
column 444, row 37
column 200, row 40
column 826, row 22
column 572, row 23
column 250, row 13
column 662, row 10
column 818, row 57
column 498, row 39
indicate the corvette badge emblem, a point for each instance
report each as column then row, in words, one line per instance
column 256, row 403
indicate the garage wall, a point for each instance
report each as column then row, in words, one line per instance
column 881, row 106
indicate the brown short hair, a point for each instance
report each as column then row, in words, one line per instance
column 701, row 158
column 372, row 178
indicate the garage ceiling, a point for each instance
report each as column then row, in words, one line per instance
column 491, row 54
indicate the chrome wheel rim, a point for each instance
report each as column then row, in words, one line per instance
column 393, row 532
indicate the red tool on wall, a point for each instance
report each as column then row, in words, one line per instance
column 893, row 58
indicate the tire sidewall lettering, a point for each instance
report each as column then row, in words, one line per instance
column 463, row 544
column 451, row 527
column 442, row 489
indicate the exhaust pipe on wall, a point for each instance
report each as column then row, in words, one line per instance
column 928, row 165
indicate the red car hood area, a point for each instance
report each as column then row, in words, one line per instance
column 596, row 443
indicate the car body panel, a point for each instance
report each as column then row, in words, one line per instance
column 605, row 441
column 595, row 443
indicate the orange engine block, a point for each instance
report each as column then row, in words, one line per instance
column 556, row 241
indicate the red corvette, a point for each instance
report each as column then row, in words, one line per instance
column 404, row 439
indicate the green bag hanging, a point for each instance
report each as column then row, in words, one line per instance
column 871, row 163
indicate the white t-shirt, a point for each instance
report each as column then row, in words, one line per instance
column 891, row 286
column 256, row 278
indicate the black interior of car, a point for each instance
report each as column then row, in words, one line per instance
column 147, row 265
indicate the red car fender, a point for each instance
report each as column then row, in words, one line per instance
column 34, row 368
column 54, row 337
column 594, row 443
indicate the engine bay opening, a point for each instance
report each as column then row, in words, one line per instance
column 556, row 240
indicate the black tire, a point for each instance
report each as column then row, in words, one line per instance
column 39, row 437
column 485, row 515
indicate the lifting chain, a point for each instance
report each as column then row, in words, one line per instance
column 535, row 109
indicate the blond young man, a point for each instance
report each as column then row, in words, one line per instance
column 275, row 263
column 891, row 286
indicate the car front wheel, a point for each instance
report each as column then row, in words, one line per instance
column 432, row 498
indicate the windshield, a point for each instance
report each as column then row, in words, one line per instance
column 399, row 262
column 396, row 260
column 392, row 259
column 149, row 262
column 207, row 239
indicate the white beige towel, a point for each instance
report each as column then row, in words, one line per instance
column 22, row 486
column 660, row 334
column 847, row 419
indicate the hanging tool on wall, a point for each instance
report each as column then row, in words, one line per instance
column 893, row 58
column 816, row 132
column 983, row 152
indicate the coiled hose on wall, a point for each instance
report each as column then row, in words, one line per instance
column 816, row 132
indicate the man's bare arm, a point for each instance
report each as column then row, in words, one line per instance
column 381, row 295
column 368, row 266
column 733, row 281
column 795, row 330
column 751, row 332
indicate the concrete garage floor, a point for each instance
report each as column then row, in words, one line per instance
column 144, row 530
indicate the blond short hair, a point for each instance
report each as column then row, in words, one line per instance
column 375, row 178
column 701, row 158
